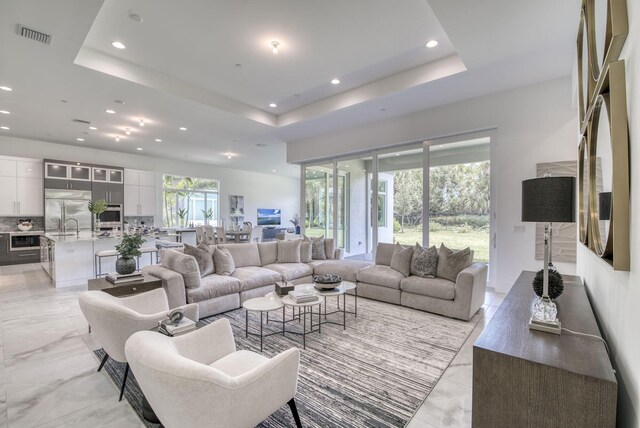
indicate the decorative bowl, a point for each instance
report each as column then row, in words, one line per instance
column 327, row 281
column 25, row 227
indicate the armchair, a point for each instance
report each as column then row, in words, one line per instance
column 199, row 379
column 114, row 319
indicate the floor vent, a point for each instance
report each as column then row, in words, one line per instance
column 84, row 122
column 34, row 35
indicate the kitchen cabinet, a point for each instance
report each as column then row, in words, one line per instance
column 113, row 193
column 140, row 193
column 108, row 175
column 29, row 196
column 65, row 176
column 50, row 183
column 21, row 187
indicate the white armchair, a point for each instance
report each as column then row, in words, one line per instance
column 114, row 319
column 199, row 379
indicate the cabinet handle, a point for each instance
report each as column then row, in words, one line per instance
column 19, row 207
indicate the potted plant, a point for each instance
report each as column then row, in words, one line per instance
column 182, row 215
column 296, row 223
column 208, row 215
column 97, row 208
column 128, row 250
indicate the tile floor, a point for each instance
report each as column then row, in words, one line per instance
column 48, row 373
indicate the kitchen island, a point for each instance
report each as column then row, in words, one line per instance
column 69, row 258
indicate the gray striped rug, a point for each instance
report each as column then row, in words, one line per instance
column 376, row 373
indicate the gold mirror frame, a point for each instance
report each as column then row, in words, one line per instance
column 583, row 176
column 585, row 37
column 613, row 94
column 616, row 30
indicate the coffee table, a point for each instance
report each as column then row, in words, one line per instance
column 341, row 290
column 303, row 310
column 263, row 304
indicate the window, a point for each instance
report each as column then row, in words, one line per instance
column 382, row 203
column 190, row 201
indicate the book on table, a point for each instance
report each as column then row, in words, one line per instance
column 302, row 296
column 171, row 329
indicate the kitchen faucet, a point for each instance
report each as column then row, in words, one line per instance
column 77, row 226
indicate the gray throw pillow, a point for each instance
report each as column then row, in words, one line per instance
column 305, row 252
column 451, row 263
column 401, row 259
column 289, row 251
column 424, row 261
column 224, row 262
column 203, row 258
column 317, row 248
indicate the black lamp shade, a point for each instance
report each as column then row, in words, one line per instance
column 549, row 200
column 604, row 205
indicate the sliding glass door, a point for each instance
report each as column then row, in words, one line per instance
column 319, row 200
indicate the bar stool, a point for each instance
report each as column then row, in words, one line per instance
column 97, row 260
column 152, row 251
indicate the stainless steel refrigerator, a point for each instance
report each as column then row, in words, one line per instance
column 61, row 205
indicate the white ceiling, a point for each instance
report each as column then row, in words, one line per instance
column 179, row 68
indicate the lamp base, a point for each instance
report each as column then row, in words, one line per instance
column 554, row 327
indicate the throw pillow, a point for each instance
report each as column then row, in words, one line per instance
column 183, row 264
column 401, row 259
column 203, row 258
column 317, row 248
column 424, row 261
column 305, row 252
column 451, row 263
column 289, row 251
column 224, row 262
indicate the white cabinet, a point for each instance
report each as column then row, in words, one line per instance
column 21, row 187
column 139, row 193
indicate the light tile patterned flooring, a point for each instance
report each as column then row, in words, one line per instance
column 48, row 373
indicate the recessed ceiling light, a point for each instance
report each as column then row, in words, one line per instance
column 273, row 170
column 126, row 131
column 64, row 101
column 110, row 111
column 29, row 169
column 432, row 43
column 182, row 128
column 141, row 122
column 78, row 163
column 397, row 154
column 118, row 45
column 6, row 88
column 272, row 105
column 158, row 140
column 118, row 101
column 228, row 156
column 5, row 112
column 93, row 128
column 117, row 138
column 5, row 127
column 135, row 17
column 274, row 46
column 139, row 149
column 335, row 82
column 80, row 139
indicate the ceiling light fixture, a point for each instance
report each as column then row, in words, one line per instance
column 432, row 44
column 5, row 128
column 139, row 149
column 228, row 156
column 136, row 18
column 118, row 45
column 127, row 131
column 110, row 111
column 5, row 112
column 117, row 138
column 93, row 128
column 182, row 128
column 6, row 88
column 158, row 140
column 274, row 46
column 80, row 139
column 272, row 105
column 273, row 170
column 335, row 82
column 141, row 122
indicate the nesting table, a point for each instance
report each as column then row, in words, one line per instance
column 270, row 302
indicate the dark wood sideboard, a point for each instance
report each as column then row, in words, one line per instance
column 526, row 378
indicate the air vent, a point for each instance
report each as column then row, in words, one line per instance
column 34, row 35
column 84, row 122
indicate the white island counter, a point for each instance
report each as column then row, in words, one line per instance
column 71, row 257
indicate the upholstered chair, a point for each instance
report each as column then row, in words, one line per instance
column 210, row 234
column 199, row 379
column 256, row 234
column 221, row 235
column 114, row 319
column 200, row 234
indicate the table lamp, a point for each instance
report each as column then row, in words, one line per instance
column 547, row 200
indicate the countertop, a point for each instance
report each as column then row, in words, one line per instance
column 90, row 236
column 20, row 232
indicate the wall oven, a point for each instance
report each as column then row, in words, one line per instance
column 112, row 217
column 23, row 242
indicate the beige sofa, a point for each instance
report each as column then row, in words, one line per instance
column 460, row 299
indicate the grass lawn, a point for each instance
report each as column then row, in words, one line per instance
column 477, row 240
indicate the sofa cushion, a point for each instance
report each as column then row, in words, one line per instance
column 289, row 251
column 291, row 271
column 329, row 249
column 433, row 287
column 225, row 264
column 401, row 259
column 383, row 276
column 384, row 252
column 184, row 264
column 305, row 252
column 255, row 276
column 268, row 252
column 317, row 247
column 451, row 263
column 424, row 261
column 203, row 258
column 347, row 269
column 246, row 254
column 213, row 286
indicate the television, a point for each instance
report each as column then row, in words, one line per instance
column 269, row 217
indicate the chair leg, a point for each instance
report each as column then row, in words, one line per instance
column 294, row 411
column 124, row 381
column 104, row 360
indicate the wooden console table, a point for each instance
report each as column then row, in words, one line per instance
column 526, row 378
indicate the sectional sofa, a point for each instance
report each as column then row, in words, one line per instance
column 257, row 269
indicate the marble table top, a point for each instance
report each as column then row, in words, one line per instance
column 270, row 302
column 341, row 289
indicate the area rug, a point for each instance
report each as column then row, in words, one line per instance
column 376, row 373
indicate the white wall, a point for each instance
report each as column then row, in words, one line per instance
column 616, row 295
column 259, row 190
column 533, row 124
